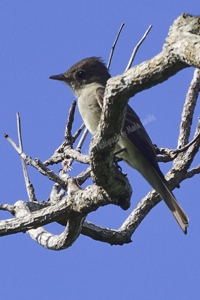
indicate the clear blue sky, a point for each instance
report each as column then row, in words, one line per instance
column 43, row 38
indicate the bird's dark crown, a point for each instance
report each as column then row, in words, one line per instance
column 87, row 71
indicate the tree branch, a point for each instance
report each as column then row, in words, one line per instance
column 75, row 206
column 188, row 109
column 136, row 48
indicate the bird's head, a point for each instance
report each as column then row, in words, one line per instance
column 86, row 71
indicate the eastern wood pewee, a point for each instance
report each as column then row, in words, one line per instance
column 87, row 79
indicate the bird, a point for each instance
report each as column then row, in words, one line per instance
column 87, row 80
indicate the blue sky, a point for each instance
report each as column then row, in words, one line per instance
column 43, row 38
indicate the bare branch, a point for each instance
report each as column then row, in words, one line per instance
column 13, row 143
column 37, row 164
column 183, row 161
column 58, row 242
column 29, row 186
column 188, row 109
column 113, row 46
column 82, row 177
column 78, row 132
column 192, row 172
column 106, row 235
column 75, row 206
column 65, row 149
column 69, row 153
column 170, row 154
column 68, row 129
column 46, row 171
column 40, row 235
column 124, row 233
column 56, row 194
column 83, row 137
column 136, row 48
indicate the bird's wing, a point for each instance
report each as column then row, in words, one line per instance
column 100, row 94
column 134, row 131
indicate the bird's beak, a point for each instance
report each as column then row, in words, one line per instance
column 61, row 77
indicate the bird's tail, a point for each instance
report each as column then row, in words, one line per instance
column 177, row 211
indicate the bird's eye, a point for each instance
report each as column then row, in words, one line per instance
column 81, row 74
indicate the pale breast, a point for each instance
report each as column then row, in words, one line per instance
column 89, row 107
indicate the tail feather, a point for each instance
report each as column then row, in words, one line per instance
column 158, row 182
column 177, row 211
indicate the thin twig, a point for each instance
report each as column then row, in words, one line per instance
column 78, row 132
column 70, row 121
column 82, row 139
column 113, row 47
column 136, row 48
column 79, row 146
column 188, row 145
column 29, row 186
column 166, row 154
column 192, row 172
column 37, row 164
column 13, row 143
column 73, row 153
column 82, row 177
